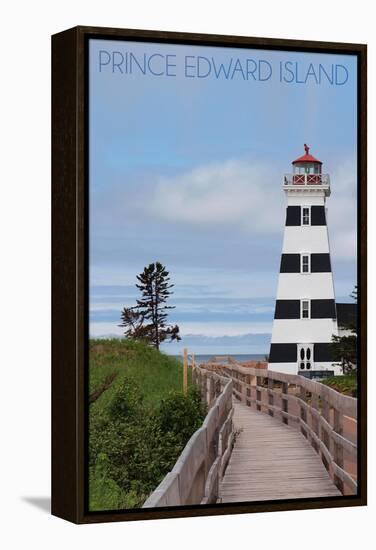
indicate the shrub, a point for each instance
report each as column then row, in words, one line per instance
column 126, row 402
column 181, row 415
column 132, row 448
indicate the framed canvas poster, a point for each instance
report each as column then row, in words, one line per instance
column 209, row 274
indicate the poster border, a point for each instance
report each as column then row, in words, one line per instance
column 70, row 270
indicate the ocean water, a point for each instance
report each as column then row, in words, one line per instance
column 237, row 357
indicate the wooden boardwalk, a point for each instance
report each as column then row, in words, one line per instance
column 271, row 461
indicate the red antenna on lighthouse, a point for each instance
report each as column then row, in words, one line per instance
column 306, row 149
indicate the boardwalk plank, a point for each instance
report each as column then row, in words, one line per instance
column 271, row 461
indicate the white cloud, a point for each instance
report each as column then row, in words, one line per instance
column 225, row 329
column 231, row 282
column 194, row 328
column 342, row 211
column 247, row 195
column 105, row 329
column 343, row 245
column 234, row 192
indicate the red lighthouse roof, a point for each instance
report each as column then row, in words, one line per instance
column 307, row 157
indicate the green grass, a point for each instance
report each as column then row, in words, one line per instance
column 155, row 373
column 346, row 384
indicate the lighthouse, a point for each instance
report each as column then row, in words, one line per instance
column 305, row 308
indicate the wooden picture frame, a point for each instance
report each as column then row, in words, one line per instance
column 70, row 172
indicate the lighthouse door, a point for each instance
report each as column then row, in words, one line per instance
column 305, row 357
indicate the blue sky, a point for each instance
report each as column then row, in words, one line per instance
column 188, row 171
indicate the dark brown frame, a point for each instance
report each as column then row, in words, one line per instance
column 70, row 270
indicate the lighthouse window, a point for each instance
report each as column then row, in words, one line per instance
column 305, row 309
column 305, row 263
column 306, row 215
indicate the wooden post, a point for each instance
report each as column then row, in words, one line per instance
column 194, row 377
column 315, row 407
column 338, row 449
column 270, row 396
column 285, row 401
column 185, row 371
column 302, row 410
column 259, row 380
column 193, row 369
column 248, row 390
column 210, row 391
column 324, row 436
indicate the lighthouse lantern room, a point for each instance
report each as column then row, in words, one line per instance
column 305, row 309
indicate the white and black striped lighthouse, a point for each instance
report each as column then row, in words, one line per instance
column 305, row 310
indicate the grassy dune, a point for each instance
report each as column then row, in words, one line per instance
column 139, row 421
column 155, row 373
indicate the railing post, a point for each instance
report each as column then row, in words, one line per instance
column 270, row 396
column 338, row 449
column 248, row 390
column 314, row 411
column 204, row 388
column 200, row 380
column 194, row 376
column 243, row 389
column 185, row 371
column 252, row 388
column 325, row 408
column 324, row 437
column 302, row 410
column 210, row 390
column 285, row 401
column 258, row 392
column 315, row 406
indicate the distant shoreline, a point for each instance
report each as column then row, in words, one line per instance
column 204, row 357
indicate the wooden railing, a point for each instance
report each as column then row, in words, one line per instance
column 326, row 418
column 195, row 477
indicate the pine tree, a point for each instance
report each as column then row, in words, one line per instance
column 344, row 348
column 354, row 293
column 132, row 322
column 148, row 319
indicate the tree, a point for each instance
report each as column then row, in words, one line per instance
column 132, row 321
column 344, row 348
column 148, row 319
column 354, row 293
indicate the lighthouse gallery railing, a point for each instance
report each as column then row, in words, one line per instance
column 310, row 180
